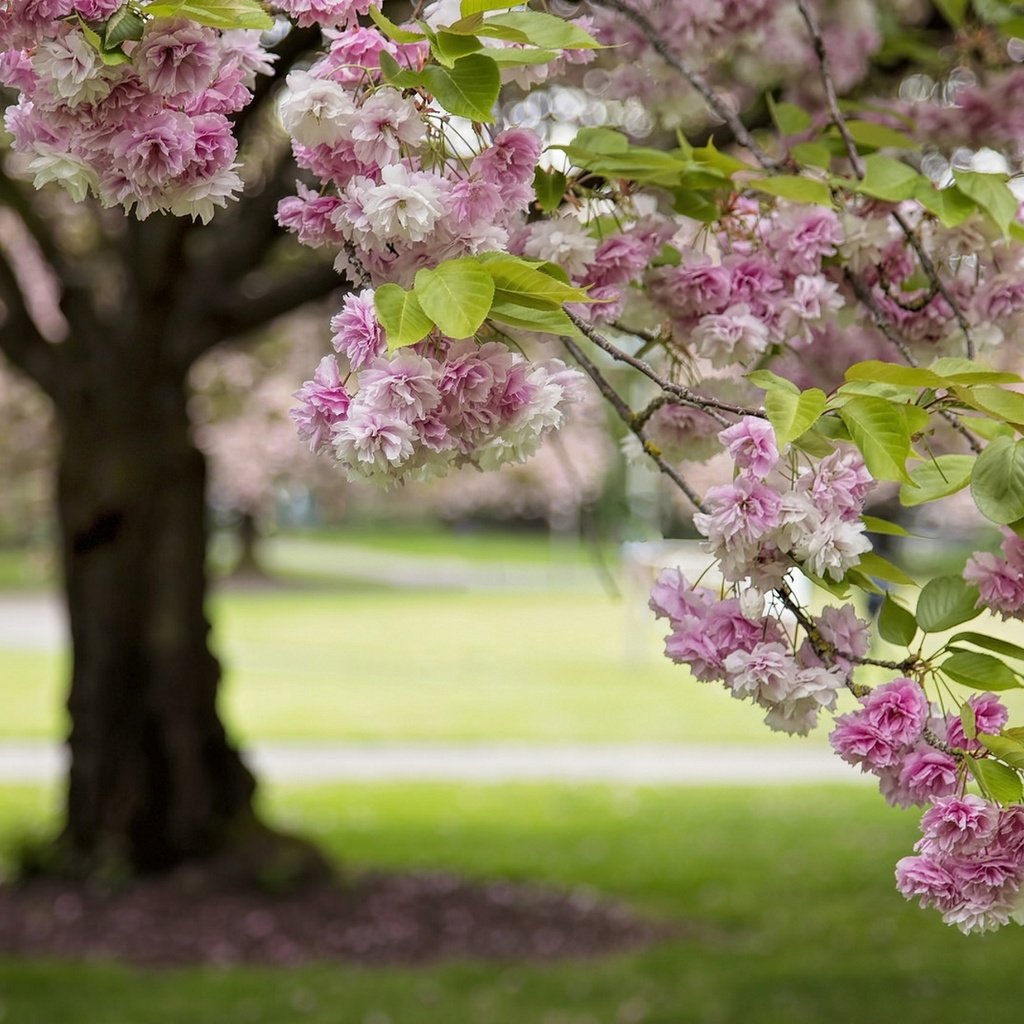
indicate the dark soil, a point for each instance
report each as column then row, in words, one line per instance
column 373, row 919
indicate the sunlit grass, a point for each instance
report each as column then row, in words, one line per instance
column 787, row 896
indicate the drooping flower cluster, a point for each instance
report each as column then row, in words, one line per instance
column 430, row 408
column 761, row 524
column 969, row 863
column 1000, row 581
column 149, row 134
column 734, row 642
column 885, row 736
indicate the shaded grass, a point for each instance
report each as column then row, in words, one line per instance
column 787, row 894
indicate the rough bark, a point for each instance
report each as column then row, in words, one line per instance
column 154, row 780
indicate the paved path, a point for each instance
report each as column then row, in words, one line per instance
column 507, row 762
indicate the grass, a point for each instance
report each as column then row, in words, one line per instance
column 374, row 665
column 788, row 895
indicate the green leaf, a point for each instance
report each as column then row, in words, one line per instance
column 543, row 30
column 950, row 205
column 467, row 89
column 980, row 671
column 525, row 318
column 998, row 781
column 515, row 58
column 881, row 568
column 391, row 30
column 788, row 117
column 886, row 178
column 968, row 720
column 990, row 643
column 864, row 581
column 999, row 402
column 791, row 414
column 895, row 623
column 881, row 430
column 795, row 188
column 401, row 316
column 111, row 58
column 550, row 189
column 878, row 136
column 527, row 286
column 123, row 25
column 768, row 381
column 456, row 295
column 945, row 602
column 447, row 47
column 945, row 474
column 954, row 11
column 1004, row 747
column 992, row 194
column 471, row 7
column 215, row 13
column 997, row 482
column 812, row 154
column 968, row 371
column 875, row 371
column 396, row 75
column 814, row 443
column 875, row 525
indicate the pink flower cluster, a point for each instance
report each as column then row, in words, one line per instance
column 441, row 404
column 396, row 199
column 768, row 289
column 1000, row 581
column 758, row 530
column 969, row 863
column 151, row 134
column 885, row 737
column 723, row 640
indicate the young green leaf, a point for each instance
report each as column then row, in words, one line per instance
column 945, row 602
column 944, row 474
column 992, row 194
column 400, row 315
column 505, row 310
column 226, row 14
column 469, row 88
column 391, row 30
column 887, row 178
column 990, row 643
column 998, row 781
column 980, row 671
column 456, row 295
column 789, row 118
column 968, row 720
column 895, row 623
column 881, row 430
column 768, row 381
column 1006, row 748
column 791, row 414
column 528, row 286
column 544, row 30
column 997, row 482
column 873, row 135
column 877, row 372
column 875, row 525
column 795, row 188
column 875, row 565
column 549, row 187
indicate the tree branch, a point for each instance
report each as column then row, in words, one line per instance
column 710, row 97
column 857, row 164
column 625, row 413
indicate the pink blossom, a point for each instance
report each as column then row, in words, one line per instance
column 323, row 403
column 990, row 715
column 357, row 333
column 857, row 742
column 924, row 774
column 959, row 825
column 733, row 336
column 674, row 597
column 177, row 57
column 897, row 710
column 751, row 445
column 802, row 236
column 1000, row 584
column 511, row 159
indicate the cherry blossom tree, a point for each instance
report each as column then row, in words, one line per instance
column 816, row 271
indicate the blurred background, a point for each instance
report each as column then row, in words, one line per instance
column 463, row 678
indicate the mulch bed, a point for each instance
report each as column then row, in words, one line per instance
column 374, row 919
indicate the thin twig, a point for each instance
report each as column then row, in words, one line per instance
column 710, row 97
column 683, row 394
column 857, row 164
column 626, row 415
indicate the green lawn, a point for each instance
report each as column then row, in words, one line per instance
column 788, row 895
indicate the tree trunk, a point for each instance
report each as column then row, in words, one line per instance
column 154, row 780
